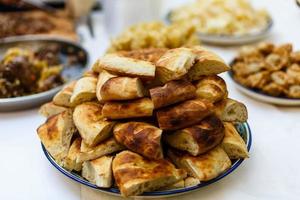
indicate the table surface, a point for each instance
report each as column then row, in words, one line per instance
column 272, row 171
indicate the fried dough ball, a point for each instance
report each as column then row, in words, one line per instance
column 294, row 91
column 273, row 89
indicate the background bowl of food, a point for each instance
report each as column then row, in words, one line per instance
column 34, row 68
column 231, row 22
column 269, row 73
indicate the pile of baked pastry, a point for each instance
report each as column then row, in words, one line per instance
column 271, row 69
column 153, row 119
column 155, row 34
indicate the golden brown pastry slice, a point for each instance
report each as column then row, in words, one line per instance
column 184, row 114
column 207, row 63
column 135, row 174
column 90, row 73
column 294, row 91
column 150, row 54
column 106, row 147
column 122, row 88
column 293, row 72
column 198, row 139
column 92, row 126
column 62, row 98
column 84, row 90
column 56, row 134
column 50, row 109
column 233, row 143
column 212, row 88
column 174, row 64
column 191, row 181
column 230, row 110
column 204, row 167
column 171, row 93
column 99, row 171
column 141, row 138
column 125, row 66
column 128, row 109
column 102, row 78
column 71, row 161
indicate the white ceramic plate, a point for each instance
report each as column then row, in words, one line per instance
column 283, row 101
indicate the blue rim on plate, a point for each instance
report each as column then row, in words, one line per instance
column 243, row 129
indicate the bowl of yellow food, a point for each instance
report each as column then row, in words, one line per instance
column 231, row 22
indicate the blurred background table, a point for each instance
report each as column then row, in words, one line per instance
column 272, row 172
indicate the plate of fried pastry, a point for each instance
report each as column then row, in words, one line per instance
column 269, row 73
column 151, row 123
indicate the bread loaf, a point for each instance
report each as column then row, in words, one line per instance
column 172, row 92
column 92, row 126
column 135, row 174
column 184, row 114
column 62, row 98
column 207, row 63
column 122, row 88
column 141, row 138
column 102, row 78
column 128, row 109
column 230, row 110
column 198, row 139
column 174, row 64
column 99, row 171
column 233, row 143
column 106, row 147
column 125, row 66
column 71, row 161
column 84, row 90
column 56, row 134
column 203, row 167
column 50, row 109
column 212, row 88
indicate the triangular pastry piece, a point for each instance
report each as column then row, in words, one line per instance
column 205, row 166
column 233, row 143
column 140, row 137
column 56, row 134
column 135, row 174
column 92, row 126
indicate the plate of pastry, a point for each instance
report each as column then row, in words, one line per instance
column 33, row 69
column 217, row 22
column 269, row 73
column 146, row 123
column 154, row 34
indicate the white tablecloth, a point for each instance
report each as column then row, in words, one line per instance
column 272, row 172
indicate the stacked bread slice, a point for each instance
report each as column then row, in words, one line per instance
column 149, row 120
